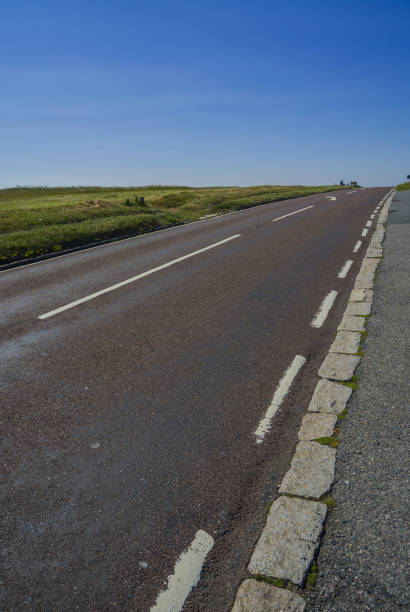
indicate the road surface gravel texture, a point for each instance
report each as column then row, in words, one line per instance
column 363, row 561
column 128, row 420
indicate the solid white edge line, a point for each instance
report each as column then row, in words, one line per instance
column 92, row 296
column 278, row 397
column 345, row 269
column 357, row 246
column 324, row 309
column 186, row 574
column 364, row 232
column 293, row 213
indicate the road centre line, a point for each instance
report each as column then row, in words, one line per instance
column 364, row 232
column 293, row 213
column 92, row 296
column 186, row 574
column 357, row 246
column 324, row 309
column 345, row 269
column 278, row 397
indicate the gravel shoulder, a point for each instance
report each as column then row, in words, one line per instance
column 363, row 560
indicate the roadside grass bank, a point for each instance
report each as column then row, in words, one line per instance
column 403, row 186
column 35, row 221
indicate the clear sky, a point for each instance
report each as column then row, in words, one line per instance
column 204, row 92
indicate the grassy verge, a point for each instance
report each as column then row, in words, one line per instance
column 36, row 221
column 403, row 186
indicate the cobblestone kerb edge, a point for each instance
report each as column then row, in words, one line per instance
column 289, row 542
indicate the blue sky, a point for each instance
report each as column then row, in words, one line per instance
column 204, row 93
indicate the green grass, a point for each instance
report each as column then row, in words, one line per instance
column 40, row 220
column 328, row 441
column 342, row 415
column 312, row 576
column 277, row 582
column 403, row 186
column 329, row 501
column 352, row 383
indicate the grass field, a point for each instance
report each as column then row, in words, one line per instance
column 39, row 220
column 403, row 186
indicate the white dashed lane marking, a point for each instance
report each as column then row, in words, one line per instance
column 278, row 397
column 186, row 574
column 92, row 296
column 293, row 213
column 343, row 272
column 324, row 309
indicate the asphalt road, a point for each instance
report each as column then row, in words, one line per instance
column 128, row 420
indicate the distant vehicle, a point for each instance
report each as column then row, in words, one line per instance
column 353, row 183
